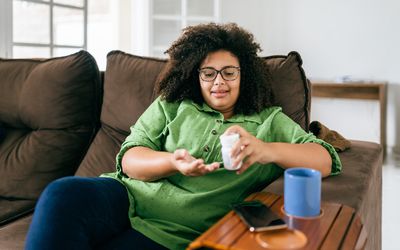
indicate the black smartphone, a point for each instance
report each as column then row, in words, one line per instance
column 257, row 216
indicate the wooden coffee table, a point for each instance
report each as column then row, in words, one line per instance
column 339, row 227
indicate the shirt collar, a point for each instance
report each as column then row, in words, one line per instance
column 249, row 118
column 203, row 107
column 236, row 118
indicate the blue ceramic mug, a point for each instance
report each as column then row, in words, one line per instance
column 302, row 192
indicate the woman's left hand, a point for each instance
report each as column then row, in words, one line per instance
column 247, row 149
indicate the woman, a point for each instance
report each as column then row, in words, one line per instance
column 169, row 186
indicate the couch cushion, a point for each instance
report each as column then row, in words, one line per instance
column 2, row 132
column 13, row 209
column 291, row 87
column 129, row 90
column 50, row 108
column 12, row 236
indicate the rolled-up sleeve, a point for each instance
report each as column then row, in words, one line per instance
column 148, row 131
column 284, row 129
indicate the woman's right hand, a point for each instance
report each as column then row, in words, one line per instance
column 190, row 166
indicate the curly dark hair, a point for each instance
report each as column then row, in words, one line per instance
column 180, row 79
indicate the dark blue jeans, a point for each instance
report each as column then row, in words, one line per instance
column 84, row 213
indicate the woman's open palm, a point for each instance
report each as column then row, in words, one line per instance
column 190, row 166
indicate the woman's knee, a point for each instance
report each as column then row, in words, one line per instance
column 75, row 192
column 66, row 191
column 63, row 187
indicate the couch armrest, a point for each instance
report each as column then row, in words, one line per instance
column 358, row 186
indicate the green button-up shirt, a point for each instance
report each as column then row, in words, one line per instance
column 175, row 210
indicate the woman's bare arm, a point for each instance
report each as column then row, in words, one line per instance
column 308, row 155
column 148, row 165
column 250, row 149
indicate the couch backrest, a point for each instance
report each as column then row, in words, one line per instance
column 50, row 111
column 129, row 90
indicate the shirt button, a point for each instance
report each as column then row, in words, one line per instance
column 214, row 132
column 219, row 121
column 206, row 148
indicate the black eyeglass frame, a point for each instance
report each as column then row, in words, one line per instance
column 219, row 72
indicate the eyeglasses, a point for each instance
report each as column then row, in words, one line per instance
column 229, row 73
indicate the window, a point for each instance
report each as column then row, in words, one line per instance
column 43, row 28
column 168, row 17
column 48, row 28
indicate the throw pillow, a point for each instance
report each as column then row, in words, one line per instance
column 128, row 90
column 291, row 87
column 51, row 108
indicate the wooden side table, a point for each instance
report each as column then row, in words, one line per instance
column 338, row 228
column 356, row 90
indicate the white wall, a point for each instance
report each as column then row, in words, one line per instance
column 343, row 37
column 247, row 14
column 124, row 25
column 109, row 28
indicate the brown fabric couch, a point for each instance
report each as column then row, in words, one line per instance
column 62, row 117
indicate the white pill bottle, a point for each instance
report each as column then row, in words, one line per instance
column 227, row 141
